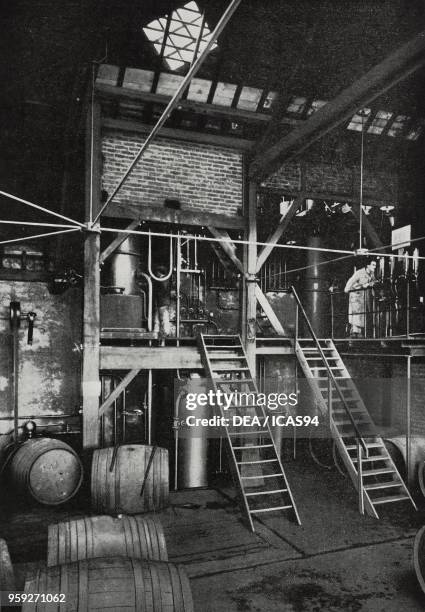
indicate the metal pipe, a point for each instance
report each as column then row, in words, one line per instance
column 178, row 286
column 149, row 407
column 360, row 476
column 408, row 423
column 175, row 99
column 149, row 281
column 15, row 375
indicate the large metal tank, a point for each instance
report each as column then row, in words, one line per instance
column 316, row 294
column 124, row 264
column 122, row 309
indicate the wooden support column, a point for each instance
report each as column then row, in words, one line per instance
column 250, row 278
column 90, row 385
column 91, row 341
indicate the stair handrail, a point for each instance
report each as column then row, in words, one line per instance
column 330, row 373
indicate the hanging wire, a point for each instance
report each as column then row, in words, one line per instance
column 247, row 242
column 36, row 206
column 36, row 224
column 24, row 238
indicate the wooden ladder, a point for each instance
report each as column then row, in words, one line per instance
column 347, row 416
column 262, row 482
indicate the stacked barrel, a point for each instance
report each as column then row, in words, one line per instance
column 115, row 562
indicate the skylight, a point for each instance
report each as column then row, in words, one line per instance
column 398, row 125
column 176, row 36
column 359, row 119
column 379, row 122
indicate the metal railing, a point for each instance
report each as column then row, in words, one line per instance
column 360, row 442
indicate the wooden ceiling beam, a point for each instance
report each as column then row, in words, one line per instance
column 396, row 67
column 112, row 92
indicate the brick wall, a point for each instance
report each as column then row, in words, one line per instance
column 203, row 177
column 49, row 369
column 338, row 179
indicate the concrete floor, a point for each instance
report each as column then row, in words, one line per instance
column 337, row 560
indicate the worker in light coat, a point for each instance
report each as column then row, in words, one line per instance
column 360, row 298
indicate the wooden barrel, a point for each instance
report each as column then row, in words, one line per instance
column 7, row 576
column 48, row 469
column 118, row 490
column 115, row 584
column 101, row 536
column 419, row 557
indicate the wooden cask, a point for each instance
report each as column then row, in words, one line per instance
column 116, row 487
column 116, row 584
column 419, row 557
column 102, row 536
column 47, row 469
column 7, row 576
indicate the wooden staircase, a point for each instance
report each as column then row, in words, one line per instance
column 257, row 466
column 349, row 420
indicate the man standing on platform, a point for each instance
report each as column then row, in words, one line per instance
column 360, row 298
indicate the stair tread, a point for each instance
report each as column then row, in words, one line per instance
column 265, row 492
column 252, row 446
column 270, row 509
column 389, row 499
column 382, row 485
column 254, row 462
column 230, row 369
column 368, row 445
column 227, row 357
column 262, row 476
column 223, row 346
column 377, row 471
column 249, row 433
column 223, row 381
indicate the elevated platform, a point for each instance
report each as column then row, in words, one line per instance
column 146, row 352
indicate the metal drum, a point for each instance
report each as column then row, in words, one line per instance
column 7, row 576
column 103, row 536
column 47, row 469
column 112, row 583
column 119, row 474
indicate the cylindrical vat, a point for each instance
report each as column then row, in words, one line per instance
column 116, row 486
column 192, row 449
column 193, row 458
column 419, row 557
column 123, row 265
column 7, row 577
column 47, row 469
column 112, row 583
column 317, row 300
column 103, row 536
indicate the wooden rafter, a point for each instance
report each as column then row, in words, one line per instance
column 227, row 245
column 129, row 210
column 368, row 228
column 268, row 311
column 117, row 242
column 396, row 67
column 278, row 232
column 123, row 384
